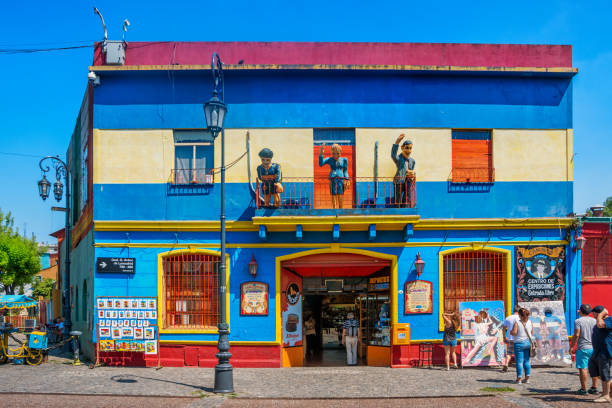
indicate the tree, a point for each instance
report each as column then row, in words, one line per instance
column 43, row 288
column 19, row 257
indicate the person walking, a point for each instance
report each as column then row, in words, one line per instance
column 311, row 336
column 449, row 340
column 582, row 340
column 508, row 338
column 351, row 333
column 522, row 333
column 599, row 364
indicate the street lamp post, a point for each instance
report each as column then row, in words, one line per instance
column 61, row 170
column 214, row 111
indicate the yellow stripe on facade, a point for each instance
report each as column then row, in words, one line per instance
column 197, row 67
column 324, row 223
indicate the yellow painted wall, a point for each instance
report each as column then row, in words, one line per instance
column 132, row 156
column 147, row 156
column 431, row 150
column 292, row 150
column 532, row 155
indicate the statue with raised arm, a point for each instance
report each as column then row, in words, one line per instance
column 269, row 175
column 338, row 173
column 403, row 181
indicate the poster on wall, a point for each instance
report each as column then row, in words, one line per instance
column 482, row 341
column 549, row 332
column 540, row 273
column 418, row 297
column 254, row 299
column 291, row 305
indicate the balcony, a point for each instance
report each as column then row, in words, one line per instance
column 184, row 177
column 362, row 195
column 473, row 175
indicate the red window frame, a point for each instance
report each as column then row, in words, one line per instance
column 597, row 258
column 191, row 291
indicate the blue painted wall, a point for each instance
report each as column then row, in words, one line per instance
column 434, row 200
column 345, row 99
column 262, row 328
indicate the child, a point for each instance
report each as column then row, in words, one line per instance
column 269, row 174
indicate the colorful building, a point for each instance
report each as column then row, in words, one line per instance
column 596, row 278
column 485, row 193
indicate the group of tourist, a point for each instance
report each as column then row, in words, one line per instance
column 591, row 343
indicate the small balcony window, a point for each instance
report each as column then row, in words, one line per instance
column 472, row 157
column 193, row 157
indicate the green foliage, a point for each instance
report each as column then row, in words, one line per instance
column 19, row 257
column 607, row 212
column 43, row 288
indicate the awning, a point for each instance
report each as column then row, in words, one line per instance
column 16, row 302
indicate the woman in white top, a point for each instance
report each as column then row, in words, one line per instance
column 523, row 336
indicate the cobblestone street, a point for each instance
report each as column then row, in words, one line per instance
column 293, row 387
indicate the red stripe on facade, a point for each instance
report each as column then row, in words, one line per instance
column 313, row 53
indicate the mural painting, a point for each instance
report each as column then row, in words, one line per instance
column 482, row 341
column 540, row 273
column 549, row 332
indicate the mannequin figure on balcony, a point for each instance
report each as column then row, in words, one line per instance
column 403, row 181
column 338, row 173
column 269, row 175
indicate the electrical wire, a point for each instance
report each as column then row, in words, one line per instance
column 22, row 155
column 34, row 50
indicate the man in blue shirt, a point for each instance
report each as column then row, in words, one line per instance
column 599, row 365
column 403, row 181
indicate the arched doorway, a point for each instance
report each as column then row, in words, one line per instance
column 328, row 286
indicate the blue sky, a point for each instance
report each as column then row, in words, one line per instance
column 42, row 92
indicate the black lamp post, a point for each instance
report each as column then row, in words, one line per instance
column 214, row 111
column 61, row 170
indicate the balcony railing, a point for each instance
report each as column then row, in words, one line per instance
column 191, row 176
column 473, row 175
column 363, row 192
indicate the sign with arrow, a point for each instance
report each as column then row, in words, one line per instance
column 116, row 265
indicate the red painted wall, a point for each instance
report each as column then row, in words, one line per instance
column 597, row 293
column 308, row 53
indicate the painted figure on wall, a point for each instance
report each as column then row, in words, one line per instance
column 269, row 175
column 403, row 181
column 481, row 333
column 338, row 173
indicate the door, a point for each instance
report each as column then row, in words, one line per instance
column 346, row 139
column 291, row 319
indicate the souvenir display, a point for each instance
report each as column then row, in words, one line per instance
column 124, row 324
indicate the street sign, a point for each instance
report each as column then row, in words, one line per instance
column 116, row 265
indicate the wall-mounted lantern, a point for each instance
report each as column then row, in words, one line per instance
column 580, row 241
column 253, row 266
column 419, row 264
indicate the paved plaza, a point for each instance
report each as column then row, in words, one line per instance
column 292, row 387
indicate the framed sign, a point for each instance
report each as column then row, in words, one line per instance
column 254, row 299
column 540, row 273
column 116, row 265
column 418, row 297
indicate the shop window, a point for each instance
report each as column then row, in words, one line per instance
column 597, row 258
column 191, row 291
column 472, row 160
column 471, row 276
column 193, row 157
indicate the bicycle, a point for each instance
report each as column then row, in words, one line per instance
column 32, row 356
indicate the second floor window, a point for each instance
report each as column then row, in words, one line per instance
column 193, row 157
column 597, row 258
column 472, row 157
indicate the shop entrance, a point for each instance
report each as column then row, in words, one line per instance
column 331, row 286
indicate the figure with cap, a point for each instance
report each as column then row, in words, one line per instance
column 269, row 175
column 403, row 181
column 600, row 362
column 338, row 173
column 582, row 340
column 351, row 335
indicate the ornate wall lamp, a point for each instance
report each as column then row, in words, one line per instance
column 253, row 266
column 419, row 264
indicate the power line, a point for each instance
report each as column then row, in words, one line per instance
column 21, row 154
column 33, row 50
